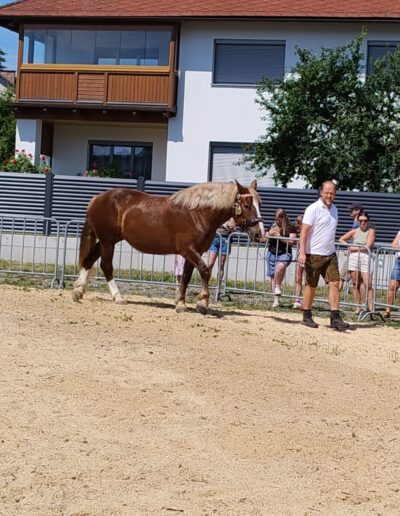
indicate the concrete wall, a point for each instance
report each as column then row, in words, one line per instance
column 71, row 146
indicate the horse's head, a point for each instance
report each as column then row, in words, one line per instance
column 247, row 212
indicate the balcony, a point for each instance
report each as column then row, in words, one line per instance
column 50, row 89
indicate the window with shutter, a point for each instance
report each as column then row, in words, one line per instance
column 246, row 62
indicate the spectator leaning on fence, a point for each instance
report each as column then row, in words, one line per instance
column 360, row 263
column 318, row 254
column 394, row 283
column 279, row 254
column 354, row 210
column 220, row 243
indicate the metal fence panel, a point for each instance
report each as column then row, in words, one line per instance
column 26, row 249
column 385, row 260
column 245, row 273
column 130, row 265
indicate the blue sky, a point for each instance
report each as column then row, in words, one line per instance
column 9, row 43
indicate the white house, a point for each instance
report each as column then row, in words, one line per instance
column 166, row 90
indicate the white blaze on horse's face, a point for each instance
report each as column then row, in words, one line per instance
column 258, row 211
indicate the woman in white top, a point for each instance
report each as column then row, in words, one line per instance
column 394, row 283
column 360, row 262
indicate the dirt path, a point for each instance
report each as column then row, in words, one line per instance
column 133, row 410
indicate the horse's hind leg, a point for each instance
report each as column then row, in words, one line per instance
column 107, row 253
column 85, row 273
column 180, row 298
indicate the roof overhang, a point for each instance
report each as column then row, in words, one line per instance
column 14, row 22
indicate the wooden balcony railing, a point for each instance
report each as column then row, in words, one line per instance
column 139, row 87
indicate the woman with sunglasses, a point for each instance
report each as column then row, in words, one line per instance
column 279, row 255
column 360, row 265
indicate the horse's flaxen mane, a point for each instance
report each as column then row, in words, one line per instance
column 206, row 195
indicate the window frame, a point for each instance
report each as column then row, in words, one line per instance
column 226, row 147
column 378, row 43
column 118, row 67
column 238, row 42
column 119, row 143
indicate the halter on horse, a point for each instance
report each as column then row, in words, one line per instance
column 183, row 223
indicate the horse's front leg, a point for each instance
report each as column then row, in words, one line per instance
column 181, row 294
column 107, row 253
column 204, row 271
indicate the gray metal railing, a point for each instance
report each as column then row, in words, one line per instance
column 26, row 248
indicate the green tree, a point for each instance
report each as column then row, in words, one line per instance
column 324, row 121
column 2, row 59
column 7, row 125
column 7, row 120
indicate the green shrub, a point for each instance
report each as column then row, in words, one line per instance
column 22, row 162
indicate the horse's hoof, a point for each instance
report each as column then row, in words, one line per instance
column 77, row 295
column 120, row 301
column 201, row 308
column 180, row 309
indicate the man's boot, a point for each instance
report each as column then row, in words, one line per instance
column 337, row 322
column 308, row 320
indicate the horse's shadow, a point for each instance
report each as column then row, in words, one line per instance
column 212, row 312
column 283, row 320
column 353, row 326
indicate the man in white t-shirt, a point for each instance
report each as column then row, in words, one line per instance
column 318, row 254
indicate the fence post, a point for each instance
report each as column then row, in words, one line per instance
column 141, row 183
column 48, row 202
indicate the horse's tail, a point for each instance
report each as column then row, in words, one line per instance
column 88, row 242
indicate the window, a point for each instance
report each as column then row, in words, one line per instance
column 377, row 49
column 121, row 159
column 224, row 166
column 247, row 61
column 96, row 47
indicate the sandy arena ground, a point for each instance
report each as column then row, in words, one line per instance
column 136, row 410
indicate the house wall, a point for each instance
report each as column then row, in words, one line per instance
column 70, row 152
column 28, row 138
column 207, row 113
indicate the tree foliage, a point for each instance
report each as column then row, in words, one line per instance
column 2, row 59
column 7, row 125
column 325, row 121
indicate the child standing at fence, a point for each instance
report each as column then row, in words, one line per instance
column 298, row 285
column 179, row 264
column 221, row 246
column 279, row 255
column 394, row 283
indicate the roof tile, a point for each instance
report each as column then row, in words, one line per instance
column 385, row 9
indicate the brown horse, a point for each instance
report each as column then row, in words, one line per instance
column 183, row 223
